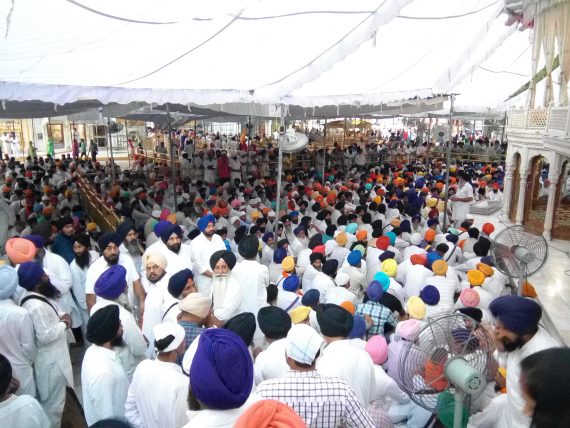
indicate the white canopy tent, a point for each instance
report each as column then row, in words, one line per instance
column 304, row 53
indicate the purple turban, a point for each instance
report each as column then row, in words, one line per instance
column 205, row 221
column 221, row 374
column 30, row 274
column 160, row 226
column 358, row 328
column 430, row 295
column 111, row 283
column 38, row 240
column 518, row 314
column 375, row 290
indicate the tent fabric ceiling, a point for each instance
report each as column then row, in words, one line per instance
column 305, row 53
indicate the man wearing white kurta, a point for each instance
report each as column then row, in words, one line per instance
column 203, row 246
column 18, row 340
column 517, row 335
column 103, row 379
column 462, row 199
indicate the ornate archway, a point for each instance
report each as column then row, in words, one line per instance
column 536, row 199
column 514, row 193
column 561, row 218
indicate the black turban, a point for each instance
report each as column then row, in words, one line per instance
column 334, row 320
column 169, row 230
column 243, row 325
column 193, row 234
column 124, row 228
column 248, row 247
column 475, row 313
column 83, row 239
column 386, row 255
column 315, row 241
column 103, row 325
column 330, row 267
column 272, row 292
column 274, row 322
column 226, row 255
column 64, row 221
column 177, row 282
column 316, row 256
column 107, row 238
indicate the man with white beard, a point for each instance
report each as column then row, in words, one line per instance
column 111, row 289
column 203, row 246
column 300, row 241
column 155, row 269
column 84, row 257
column 227, row 293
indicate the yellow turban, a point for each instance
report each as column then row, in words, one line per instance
column 171, row 218
column 416, row 308
column 390, row 267
column 341, row 239
column 431, row 202
column 439, row 267
column 255, row 215
column 475, row 277
column 91, row 227
column 288, row 264
column 486, row 269
column 299, row 314
column 377, row 199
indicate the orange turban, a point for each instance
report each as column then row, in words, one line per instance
column 429, row 235
column 486, row 269
column 418, row 259
column 269, row 414
column 395, row 222
column 488, row 228
column 20, row 250
column 434, row 375
column 349, row 306
column 528, row 290
column 439, row 267
column 361, row 235
column 475, row 277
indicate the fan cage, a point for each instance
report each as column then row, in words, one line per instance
column 422, row 360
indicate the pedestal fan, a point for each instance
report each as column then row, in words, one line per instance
column 447, row 366
column 518, row 254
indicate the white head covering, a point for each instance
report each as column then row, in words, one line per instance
column 303, row 343
column 165, row 329
column 341, row 279
column 196, row 304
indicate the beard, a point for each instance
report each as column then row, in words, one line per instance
column 220, row 282
column 83, row 259
column 154, row 279
column 174, row 248
column 511, row 346
column 113, row 260
column 47, row 289
column 209, row 234
column 118, row 341
column 133, row 247
column 123, row 300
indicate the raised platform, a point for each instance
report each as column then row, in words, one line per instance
column 485, row 207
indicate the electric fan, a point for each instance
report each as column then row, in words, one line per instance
column 446, row 367
column 293, row 141
column 518, row 254
column 438, row 130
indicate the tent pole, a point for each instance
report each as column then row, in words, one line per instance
column 447, row 166
column 127, row 135
column 504, row 126
column 172, row 165
column 428, row 146
column 111, row 150
column 325, row 153
column 282, row 137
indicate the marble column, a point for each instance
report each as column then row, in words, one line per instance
column 549, row 219
column 522, row 195
column 507, row 192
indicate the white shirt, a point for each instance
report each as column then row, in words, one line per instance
column 18, row 344
column 208, row 418
column 351, row 364
column 271, row 363
column 447, row 289
column 461, row 209
column 417, row 277
column 202, row 249
column 79, row 277
column 105, row 385
column 253, row 278
column 157, row 396
column 153, row 303
column 100, row 265
column 323, row 283
column 338, row 295
column 60, row 276
column 23, row 411
column 175, row 262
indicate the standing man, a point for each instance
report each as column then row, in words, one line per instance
column 103, row 379
column 462, row 199
column 53, row 365
column 93, row 150
column 223, row 167
column 63, row 243
column 18, row 340
column 203, row 246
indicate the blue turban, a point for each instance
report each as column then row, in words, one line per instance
column 107, row 238
column 488, row 260
column 8, row 281
column 124, row 228
column 205, row 221
column 111, row 283
column 167, row 231
column 30, row 274
column 351, row 228
column 518, row 314
column 375, row 291
column 177, row 282
column 159, row 227
column 279, row 254
column 299, row 229
column 416, row 218
column 221, row 374
column 266, row 236
column 38, row 240
column 392, row 203
column 291, row 283
column 452, row 238
column 387, row 254
column 405, row 226
column 354, row 258
column 432, row 222
column 383, row 279
column 294, row 214
column 432, row 257
column 311, row 297
column 430, row 295
column 358, row 328
column 392, row 237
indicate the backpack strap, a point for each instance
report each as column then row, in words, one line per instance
column 169, row 308
column 43, row 299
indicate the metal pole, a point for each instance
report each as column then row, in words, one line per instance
column 325, row 149
column 172, row 164
column 128, row 148
column 447, row 166
column 428, row 157
column 504, row 126
column 111, row 150
column 282, row 137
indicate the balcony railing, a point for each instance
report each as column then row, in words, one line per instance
column 552, row 119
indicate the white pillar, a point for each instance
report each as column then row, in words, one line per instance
column 549, row 218
column 507, row 192
column 522, row 194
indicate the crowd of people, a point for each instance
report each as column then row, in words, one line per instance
column 213, row 304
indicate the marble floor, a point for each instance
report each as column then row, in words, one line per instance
column 552, row 281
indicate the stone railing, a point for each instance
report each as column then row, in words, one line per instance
column 559, row 120
column 549, row 119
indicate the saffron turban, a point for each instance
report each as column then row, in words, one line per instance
column 269, row 414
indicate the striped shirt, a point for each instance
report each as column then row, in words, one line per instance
column 322, row 402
